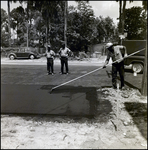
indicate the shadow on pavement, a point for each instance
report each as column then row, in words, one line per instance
column 68, row 103
column 138, row 111
column 80, row 98
column 36, row 99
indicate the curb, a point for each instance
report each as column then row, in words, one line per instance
column 42, row 61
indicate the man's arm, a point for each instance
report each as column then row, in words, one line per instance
column 107, row 59
column 44, row 54
column 106, row 62
column 125, row 54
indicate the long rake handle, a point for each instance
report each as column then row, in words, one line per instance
column 93, row 71
column 76, row 78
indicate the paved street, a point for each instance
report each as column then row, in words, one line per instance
column 25, row 87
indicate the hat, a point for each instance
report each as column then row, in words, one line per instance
column 48, row 45
column 109, row 45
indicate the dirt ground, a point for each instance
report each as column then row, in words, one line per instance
column 120, row 122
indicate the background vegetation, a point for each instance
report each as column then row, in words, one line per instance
column 43, row 22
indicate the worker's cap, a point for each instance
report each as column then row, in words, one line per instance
column 48, row 45
column 109, row 45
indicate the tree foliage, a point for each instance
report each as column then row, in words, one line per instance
column 45, row 22
column 136, row 23
column 4, row 28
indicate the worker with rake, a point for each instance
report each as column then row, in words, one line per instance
column 117, row 53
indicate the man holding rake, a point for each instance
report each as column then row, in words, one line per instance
column 117, row 53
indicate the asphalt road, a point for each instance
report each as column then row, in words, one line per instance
column 26, row 89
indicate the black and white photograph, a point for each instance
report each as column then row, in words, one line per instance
column 73, row 74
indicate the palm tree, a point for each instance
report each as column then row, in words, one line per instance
column 65, row 27
column 9, row 29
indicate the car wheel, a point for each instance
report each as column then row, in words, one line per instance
column 32, row 57
column 137, row 67
column 12, row 57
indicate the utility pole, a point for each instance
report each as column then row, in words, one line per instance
column 144, row 78
column 27, row 35
column 65, row 26
column 9, row 28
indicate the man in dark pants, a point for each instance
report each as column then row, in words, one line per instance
column 117, row 53
column 64, row 52
column 50, row 58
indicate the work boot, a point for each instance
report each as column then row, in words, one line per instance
column 123, row 88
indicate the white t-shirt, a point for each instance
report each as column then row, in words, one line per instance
column 64, row 52
column 50, row 54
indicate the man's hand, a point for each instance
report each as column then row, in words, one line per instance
column 106, row 62
column 104, row 66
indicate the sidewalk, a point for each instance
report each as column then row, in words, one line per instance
column 42, row 61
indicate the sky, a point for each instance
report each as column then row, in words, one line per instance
column 101, row 8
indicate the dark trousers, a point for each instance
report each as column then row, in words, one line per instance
column 50, row 65
column 118, row 68
column 64, row 61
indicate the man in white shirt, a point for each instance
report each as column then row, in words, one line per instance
column 117, row 53
column 50, row 60
column 64, row 52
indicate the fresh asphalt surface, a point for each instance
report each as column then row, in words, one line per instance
column 25, row 87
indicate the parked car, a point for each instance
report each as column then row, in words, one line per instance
column 137, row 60
column 17, row 53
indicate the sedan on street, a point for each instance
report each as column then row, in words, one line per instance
column 23, row 53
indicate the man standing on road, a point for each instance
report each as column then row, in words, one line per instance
column 64, row 52
column 117, row 53
column 50, row 60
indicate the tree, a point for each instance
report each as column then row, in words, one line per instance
column 135, row 23
column 80, row 21
column 4, row 28
column 9, row 19
column 17, row 19
column 4, row 18
column 122, row 15
column 48, row 10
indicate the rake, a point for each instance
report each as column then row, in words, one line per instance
column 93, row 71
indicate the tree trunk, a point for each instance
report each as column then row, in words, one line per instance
column 27, row 24
column 47, row 29
column 9, row 29
column 123, row 16
column 144, row 78
column 27, row 35
column 65, row 27
column 120, row 14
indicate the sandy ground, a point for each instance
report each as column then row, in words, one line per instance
column 124, row 126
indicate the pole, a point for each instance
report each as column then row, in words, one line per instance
column 65, row 26
column 27, row 34
column 144, row 78
column 93, row 71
